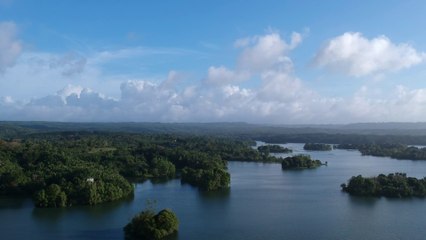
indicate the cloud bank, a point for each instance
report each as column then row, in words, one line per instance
column 279, row 95
column 355, row 55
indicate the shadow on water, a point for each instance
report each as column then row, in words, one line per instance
column 222, row 194
column 49, row 214
column 15, row 203
column 161, row 181
column 98, row 211
column 369, row 202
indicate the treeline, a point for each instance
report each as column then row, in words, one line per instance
column 300, row 162
column 396, row 185
column 317, row 147
column 398, row 151
column 413, row 134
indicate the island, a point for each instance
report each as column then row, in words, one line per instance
column 393, row 150
column 300, row 162
column 394, row 185
column 273, row 149
column 148, row 225
column 317, row 147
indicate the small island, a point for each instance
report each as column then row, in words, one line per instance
column 206, row 179
column 394, row 185
column 317, row 147
column 148, row 225
column 300, row 162
column 273, row 149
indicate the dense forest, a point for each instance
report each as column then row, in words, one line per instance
column 396, row 185
column 300, row 162
column 317, row 147
column 152, row 226
column 393, row 150
column 368, row 133
column 86, row 168
column 273, row 149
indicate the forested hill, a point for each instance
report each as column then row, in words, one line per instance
column 405, row 133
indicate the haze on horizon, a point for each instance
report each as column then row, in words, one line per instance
column 280, row 62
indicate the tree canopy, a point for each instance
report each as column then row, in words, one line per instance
column 317, row 147
column 150, row 226
column 300, row 162
column 394, row 185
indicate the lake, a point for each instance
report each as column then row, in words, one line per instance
column 264, row 202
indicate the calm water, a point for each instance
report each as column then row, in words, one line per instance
column 264, row 203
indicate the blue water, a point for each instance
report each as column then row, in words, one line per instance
column 264, row 202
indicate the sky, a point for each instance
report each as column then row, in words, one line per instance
column 275, row 62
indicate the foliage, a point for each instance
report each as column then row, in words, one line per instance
column 393, row 150
column 53, row 196
column 317, row 147
column 95, row 167
column 151, row 226
column 206, row 179
column 300, row 161
column 273, row 149
column 394, row 185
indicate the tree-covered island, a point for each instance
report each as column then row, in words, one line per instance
column 393, row 150
column 300, row 162
column 317, row 147
column 273, row 149
column 394, row 185
column 151, row 226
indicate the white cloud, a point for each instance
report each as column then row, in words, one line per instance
column 259, row 54
column 355, row 55
column 279, row 96
column 263, row 52
column 10, row 46
column 222, row 76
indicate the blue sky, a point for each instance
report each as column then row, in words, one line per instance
column 178, row 61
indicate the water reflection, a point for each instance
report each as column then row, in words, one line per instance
column 359, row 201
column 15, row 203
column 161, row 181
column 215, row 195
column 93, row 212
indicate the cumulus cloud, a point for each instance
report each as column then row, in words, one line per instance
column 259, row 54
column 355, row 55
column 223, row 76
column 263, row 52
column 10, row 46
column 278, row 96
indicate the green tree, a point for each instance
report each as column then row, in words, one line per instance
column 148, row 225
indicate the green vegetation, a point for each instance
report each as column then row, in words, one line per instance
column 273, row 149
column 398, row 151
column 207, row 179
column 317, row 147
column 300, row 162
column 148, row 225
column 396, row 185
column 404, row 133
column 86, row 168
